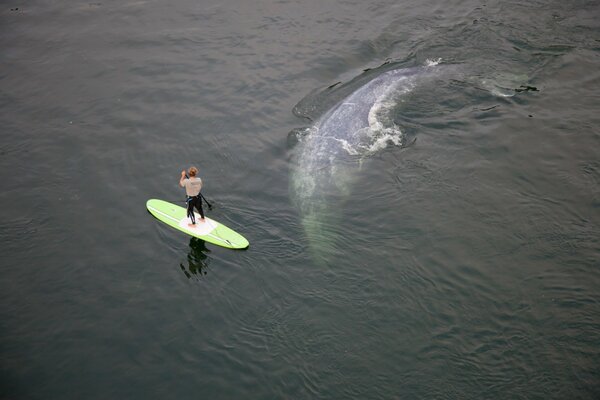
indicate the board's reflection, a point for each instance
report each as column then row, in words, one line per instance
column 197, row 259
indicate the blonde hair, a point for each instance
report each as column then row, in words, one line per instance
column 193, row 171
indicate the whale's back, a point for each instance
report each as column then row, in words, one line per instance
column 357, row 126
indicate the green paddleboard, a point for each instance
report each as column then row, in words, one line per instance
column 210, row 230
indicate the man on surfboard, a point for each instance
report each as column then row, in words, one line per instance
column 192, row 186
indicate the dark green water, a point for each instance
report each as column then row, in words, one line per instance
column 464, row 266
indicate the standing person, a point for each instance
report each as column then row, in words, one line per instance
column 192, row 186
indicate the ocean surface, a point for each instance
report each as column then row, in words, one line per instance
column 453, row 253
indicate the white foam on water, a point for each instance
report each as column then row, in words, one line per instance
column 384, row 138
column 348, row 147
column 432, row 62
column 382, row 130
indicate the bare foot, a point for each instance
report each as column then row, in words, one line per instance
column 202, row 220
column 191, row 225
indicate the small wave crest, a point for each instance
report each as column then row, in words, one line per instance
column 430, row 62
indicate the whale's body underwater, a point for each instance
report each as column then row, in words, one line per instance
column 329, row 154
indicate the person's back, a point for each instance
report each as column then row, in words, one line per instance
column 192, row 185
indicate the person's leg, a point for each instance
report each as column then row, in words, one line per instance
column 198, row 203
column 190, row 210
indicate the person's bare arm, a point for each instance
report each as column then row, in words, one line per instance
column 182, row 179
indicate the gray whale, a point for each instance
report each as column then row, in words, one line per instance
column 329, row 153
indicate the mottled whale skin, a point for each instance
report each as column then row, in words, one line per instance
column 328, row 155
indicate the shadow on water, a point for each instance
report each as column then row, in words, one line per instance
column 197, row 259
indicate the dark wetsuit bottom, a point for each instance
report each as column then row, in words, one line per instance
column 192, row 202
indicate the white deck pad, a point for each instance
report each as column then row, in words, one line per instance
column 201, row 228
